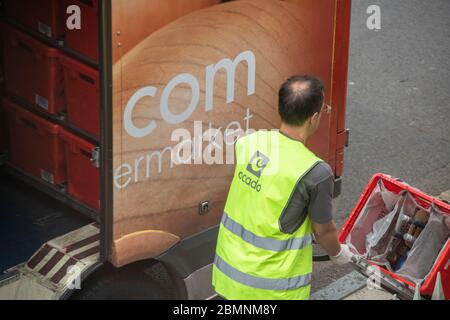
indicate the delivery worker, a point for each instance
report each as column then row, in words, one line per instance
column 279, row 200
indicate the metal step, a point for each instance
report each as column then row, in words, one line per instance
column 56, row 268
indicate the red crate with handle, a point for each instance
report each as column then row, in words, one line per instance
column 32, row 71
column 430, row 253
column 83, row 174
column 43, row 16
column 35, row 146
column 81, row 86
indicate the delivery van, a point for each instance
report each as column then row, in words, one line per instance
column 118, row 121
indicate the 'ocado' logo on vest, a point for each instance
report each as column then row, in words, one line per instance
column 256, row 167
column 257, row 164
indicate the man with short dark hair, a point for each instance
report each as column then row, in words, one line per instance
column 279, row 200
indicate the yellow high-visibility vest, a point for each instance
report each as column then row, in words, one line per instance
column 254, row 258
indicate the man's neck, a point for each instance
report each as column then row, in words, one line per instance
column 295, row 133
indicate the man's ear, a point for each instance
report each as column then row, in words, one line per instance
column 314, row 118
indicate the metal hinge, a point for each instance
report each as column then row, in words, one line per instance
column 343, row 138
column 95, row 160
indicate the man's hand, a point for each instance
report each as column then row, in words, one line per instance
column 344, row 256
column 327, row 236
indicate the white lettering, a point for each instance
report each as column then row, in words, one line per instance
column 159, row 156
column 185, row 146
column 119, row 175
column 214, row 152
column 374, row 20
column 74, row 20
column 230, row 67
column 136, row 168
column 186, row 78
column 184, row 310
column 74, row 279
column 197, row 144
column 128, row 124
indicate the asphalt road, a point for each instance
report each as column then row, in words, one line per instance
column 398, row 107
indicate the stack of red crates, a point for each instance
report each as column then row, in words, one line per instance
column 42, row 83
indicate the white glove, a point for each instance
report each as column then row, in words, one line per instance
column 345, row 256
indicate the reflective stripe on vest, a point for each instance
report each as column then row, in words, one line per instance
column 262, row 283
column 265, row 243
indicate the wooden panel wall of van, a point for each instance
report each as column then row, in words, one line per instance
column 162, row 85
column 137, row 19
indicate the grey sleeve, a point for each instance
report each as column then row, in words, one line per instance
column 320, row 186
column 313, row 196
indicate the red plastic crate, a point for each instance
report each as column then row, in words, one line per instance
column 81, row 86
column 35, row 146
column 84, row 40
column 32, row 71
column 83, row 175
column 397, row 186
column 43, row 16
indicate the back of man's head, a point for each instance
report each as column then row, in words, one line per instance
column 299, row 98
